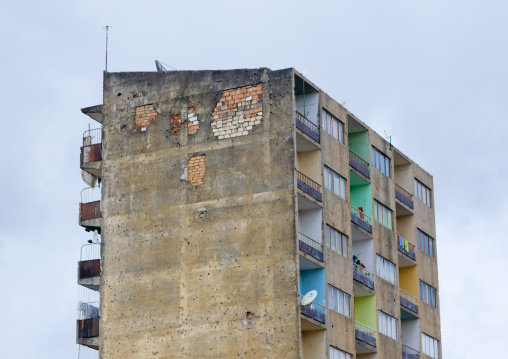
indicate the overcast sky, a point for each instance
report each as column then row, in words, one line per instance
column 432, row 73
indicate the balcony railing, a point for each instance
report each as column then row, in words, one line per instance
column 308, row 185
column 406, row 248
column 359, row 164
column 404, row 196
column 365, row 334
column 364, row 276
column 92, row 146
column 410, row 353
column 361, row 219
column 314, row 310
column 408, row 301
column 307, row 127
column 310, row 246
column 89, row 265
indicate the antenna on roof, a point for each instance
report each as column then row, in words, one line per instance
column 389, row 137
column 161, row 68
column 107, row 29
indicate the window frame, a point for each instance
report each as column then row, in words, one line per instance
column 426, row 243
column 336, row 353
column 430, row 346
column 386, row 215
column 387, row 325
column 381, row 162
column 428, row 294
column 330, row 122
column 420, row 189
column 384, row 270
column 344, row 240
column 337, row 301
column 330, row 183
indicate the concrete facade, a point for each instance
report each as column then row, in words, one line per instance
column 216, row 216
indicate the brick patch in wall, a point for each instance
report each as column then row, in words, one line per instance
column 237, row 112
column 192, row 122
column 196, row 169
column 144, row 116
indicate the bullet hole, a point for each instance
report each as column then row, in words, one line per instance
column 219, row 81
column 249, row 315
column 178, row 144
column 201, row 215
column 137, row 95
column 119, row 94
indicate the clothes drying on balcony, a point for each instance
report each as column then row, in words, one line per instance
column 88, row 311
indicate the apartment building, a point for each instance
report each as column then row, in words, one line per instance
column 227, row 196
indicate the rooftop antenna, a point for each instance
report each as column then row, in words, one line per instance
column 304, row 72
column 161, row 68
column 389, row 137
column 106, row 27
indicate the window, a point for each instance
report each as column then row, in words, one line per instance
column 422, row 192
column 333, row 126
column 335, row 183
column 425, row 243
column 336, row 241
column 428, row 294
column 385, row 269
column 381, row 162
column 387, row 325
column 339, row 301
column 382, row 214
column 339, row 354
column 430, row 346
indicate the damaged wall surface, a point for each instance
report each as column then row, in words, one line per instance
column 190, row 268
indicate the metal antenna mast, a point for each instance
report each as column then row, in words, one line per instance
column 107, row 29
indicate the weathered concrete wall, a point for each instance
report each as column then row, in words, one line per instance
column 187, row 255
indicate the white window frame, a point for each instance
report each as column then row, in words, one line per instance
column 380, row 161
column 430, row 346
column 339, row 354
column 337, row 241
column 385, row 269
column 425, row 242
column 423, row 193
column 388, row 325
column 335, row 182
column 383, row 214
column 332, row 125
column 339, row 301
column 428, row 294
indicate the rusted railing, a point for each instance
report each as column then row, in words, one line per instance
column 312, row 126
column 361, row 214
column 311, row 242
column 92, row 137
column 308, row 181
column 358, row 159
column 403, row 192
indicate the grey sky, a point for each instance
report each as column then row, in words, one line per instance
column 432, row 73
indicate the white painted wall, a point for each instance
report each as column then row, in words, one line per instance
column 364, row 250
column 309, row 224
column 411, row 333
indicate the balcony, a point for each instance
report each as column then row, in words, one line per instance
column 90, row 215
column 314, row 310
column 91, row 152
column 404, row 196
column 310, row 246
column 89, row 266
column 359, row 218
column 407, row 301
column 309, row 186
column 307, row 127
column 365, row 334
column 359, row 164
column 410, row 353
column 406, row 248
column 363, row 276
column 87, row 325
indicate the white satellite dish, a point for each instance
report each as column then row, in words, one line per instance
column 308, row 298
column 95, row 236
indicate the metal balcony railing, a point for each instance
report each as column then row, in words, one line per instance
column 315, row 306
column 403, row 191
column 311, row 242
column 358, row 159
column 410, row 251
column 408, row 297
column 85, row 352
column 92, row 137
column 404, row 196
column 308, row 181
column 89, row 195
column 361, row 214
column 90, row 251
column 365, row 329
column 363, row 271
column 410, row 353
column 302, row 119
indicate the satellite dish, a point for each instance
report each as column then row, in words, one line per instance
column 159, row 66
column 95, row 236
column 308, row 298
